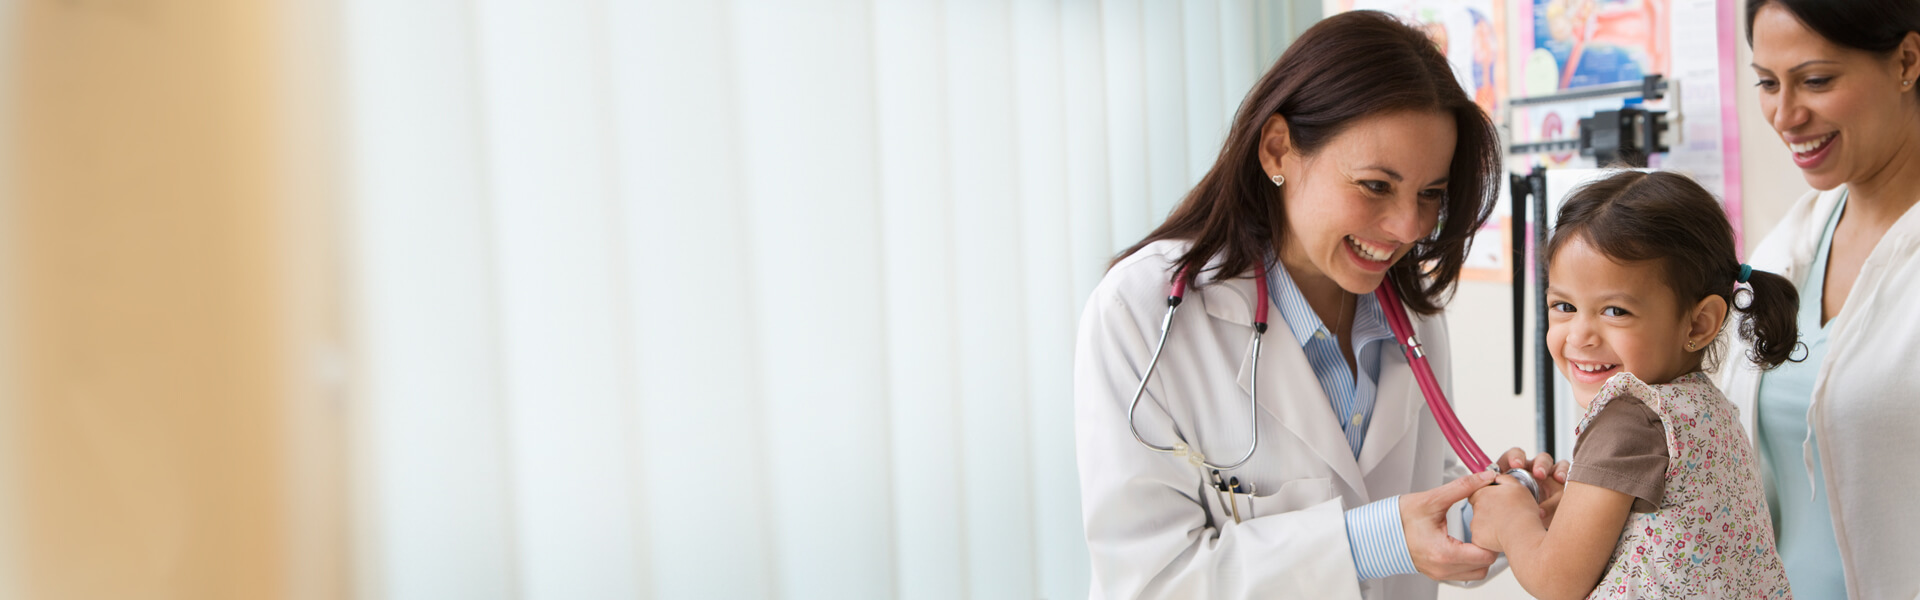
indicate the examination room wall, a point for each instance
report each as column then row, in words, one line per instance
column 595, row 299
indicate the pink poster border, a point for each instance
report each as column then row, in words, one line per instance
column 1730, row 122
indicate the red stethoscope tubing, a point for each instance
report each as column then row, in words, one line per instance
column 1260, row 289
column 1397, row 320
column 1396, row 315
column 1463, row 444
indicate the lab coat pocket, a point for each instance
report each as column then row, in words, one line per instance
column 1293, row 495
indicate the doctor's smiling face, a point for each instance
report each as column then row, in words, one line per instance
column 1358, row 204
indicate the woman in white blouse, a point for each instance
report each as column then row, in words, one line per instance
column 1837, row 432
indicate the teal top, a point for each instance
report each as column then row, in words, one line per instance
column 1802, row 522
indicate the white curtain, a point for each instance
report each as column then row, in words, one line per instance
column 749, row 299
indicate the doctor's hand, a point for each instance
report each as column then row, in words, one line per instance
column 1541, row 467
column 1423, row 516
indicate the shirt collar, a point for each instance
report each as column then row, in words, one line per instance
column 1369, row 324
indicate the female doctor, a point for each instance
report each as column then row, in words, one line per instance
column 1312, row 469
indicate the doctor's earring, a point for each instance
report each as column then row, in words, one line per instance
column 1279, row 180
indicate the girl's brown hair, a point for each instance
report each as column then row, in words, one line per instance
column 1635, row 216
column 1346, row 67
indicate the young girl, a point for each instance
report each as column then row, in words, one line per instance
column 1662, row 500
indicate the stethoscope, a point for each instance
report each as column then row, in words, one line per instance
column 1396, row 314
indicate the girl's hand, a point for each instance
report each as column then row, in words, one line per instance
column 1550, row 492
column 1495, row 505
column 1541, row 466
column 1551, row 476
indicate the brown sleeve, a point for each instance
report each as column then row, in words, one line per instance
column 1624, row 449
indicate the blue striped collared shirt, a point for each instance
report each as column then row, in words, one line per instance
column 1374, row 533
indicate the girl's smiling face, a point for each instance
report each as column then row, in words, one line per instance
column 1606, row 317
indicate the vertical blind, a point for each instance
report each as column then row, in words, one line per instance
column 750, row 299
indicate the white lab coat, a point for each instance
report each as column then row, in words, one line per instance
column 1864, row 415
column 1154, row 529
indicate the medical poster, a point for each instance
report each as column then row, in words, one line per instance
column 1471, row 32
column 1592, row 42
column 1563, row 45
column 1568, row 44
column 1490, row 257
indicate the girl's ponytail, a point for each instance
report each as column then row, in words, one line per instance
column 1770, row 320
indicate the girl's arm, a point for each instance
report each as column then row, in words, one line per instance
column 1566, row 561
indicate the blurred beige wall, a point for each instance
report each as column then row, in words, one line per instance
column 158, row 292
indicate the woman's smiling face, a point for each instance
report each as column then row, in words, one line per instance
column 1360, row 202
column 1838, row 109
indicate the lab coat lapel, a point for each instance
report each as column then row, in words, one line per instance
column 1289, row 391
column 1396, row 408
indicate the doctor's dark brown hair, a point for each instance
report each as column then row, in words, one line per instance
column 1635, row 216
column 1345, row 68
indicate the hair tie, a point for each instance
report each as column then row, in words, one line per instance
column 1746, row 271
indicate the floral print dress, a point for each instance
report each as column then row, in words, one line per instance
column 1711, row 536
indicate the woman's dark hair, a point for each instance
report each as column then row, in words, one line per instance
column 1346, row 67
column 1635, row 216
column 1875, row 26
